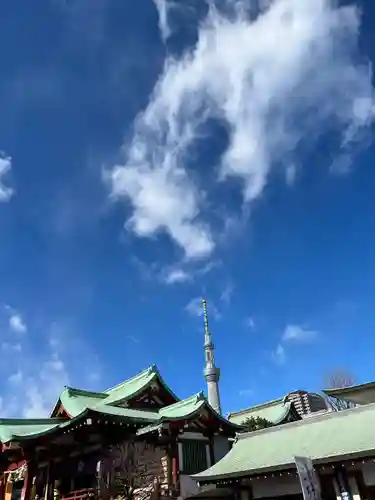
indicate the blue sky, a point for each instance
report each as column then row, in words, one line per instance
column 155, row 152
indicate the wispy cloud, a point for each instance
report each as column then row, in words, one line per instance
column 9, row 347
column 226, row 294
column 164, row 28
column 250, row 323
column 187, row 271
column 5, row 192
column 16, row 378
column 133, row 339
column 298, row 333
column 278, row 355
column 17, row 324
column 246, row 392
column 293, row 73
column 177, row 275
column 36, row 368
column 292, row 333
column 16, row 321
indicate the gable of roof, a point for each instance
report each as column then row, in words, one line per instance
column 324, row 438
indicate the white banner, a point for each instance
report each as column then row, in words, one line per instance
column 309, row 479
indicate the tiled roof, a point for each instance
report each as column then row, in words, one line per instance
column 13, row 429
column 326, row 437
column 273, row 411
column 75, row 400
column 136, row 384
column 87, row 403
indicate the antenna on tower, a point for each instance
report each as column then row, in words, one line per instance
column 207, row 333
column 205, row 316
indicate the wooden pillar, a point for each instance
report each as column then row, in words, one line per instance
column 47, row 484
column 28, row 482
column 2, row 486
column 174, row 462
column 8, row 488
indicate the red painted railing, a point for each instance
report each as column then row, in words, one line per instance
column 79, row 494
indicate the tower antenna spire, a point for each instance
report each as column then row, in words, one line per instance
column 211, row 373
column 207, row 333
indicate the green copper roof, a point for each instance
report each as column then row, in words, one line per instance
column 76, row 400
column 273, row 411
column 326, row 437
column 181, row 410
column 184, row 408
column 135, row 385
column 14, row 429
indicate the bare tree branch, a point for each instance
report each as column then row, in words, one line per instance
column 339, row 378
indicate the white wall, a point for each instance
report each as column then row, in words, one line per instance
column 276, row 487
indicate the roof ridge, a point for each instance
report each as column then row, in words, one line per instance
column 308, row 421
column 83, row 392
column 256, row 407
column 151, row 369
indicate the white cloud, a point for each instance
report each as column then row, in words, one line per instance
column 36, row 370
column 250, row 323
column 186, row 271
column 43, row 388
column 7, row 346
column 290, row 174
column 292, row 74
column 298, row 333
column 278, row 355
column 133, row 339
column 16, row 378
column 176, row 275
column 226, row 294
column 5, row 192
column 163, row 198
column 246, row 392
column 16, row 323
column 163, row 8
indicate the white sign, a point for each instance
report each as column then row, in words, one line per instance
column 309, row 479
